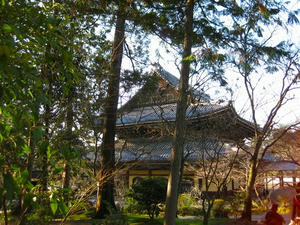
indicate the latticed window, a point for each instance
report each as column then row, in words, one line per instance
column 186, row 185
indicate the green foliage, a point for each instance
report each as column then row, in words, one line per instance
column 40, row 212
column 132, row 206
column 284, row 208
column 236, row 203
column 10, row 188
column 52, row 57
column 187, row 205
column 186, row 200
column 220, row 208
column 259, row 207
column 59, row 200
column 190, row 211
column 150, row 193
column 285, row 205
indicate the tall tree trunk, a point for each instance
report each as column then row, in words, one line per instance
column 247, row 211
column 4, row 210
column 96, row 154
column 69, row 136
column 207, row 202
column 66, row 175
column 246, row 214
column 48, row 76
column 178, row 139
column 29, row 167
column 44, row 177
column 105, row 199
column 205, row 219
column 30, row 156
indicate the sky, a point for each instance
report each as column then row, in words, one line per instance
column 267, row 88
column 266, row 93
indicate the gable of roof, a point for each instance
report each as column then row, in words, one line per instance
column 174, row 81
column 161, row 87
column 155, row 91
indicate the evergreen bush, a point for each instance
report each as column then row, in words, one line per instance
column 150, row 193
column 220, row 208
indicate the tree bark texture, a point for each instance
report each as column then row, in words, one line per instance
column 178, row 139
column 66, row 176
column 48, row 76
column 69, row 136
column 247, row 211
column 96, row 155
column 5, row 210
column 44, row 177
column 105, row 199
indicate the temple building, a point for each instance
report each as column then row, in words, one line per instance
column 145, row 127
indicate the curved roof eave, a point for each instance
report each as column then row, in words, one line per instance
column 214, row 112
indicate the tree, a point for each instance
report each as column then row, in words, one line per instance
column 210, row 34
column 178, row 141
column 288, row 145
column 274, row 58
column 214, row 167
column 250, row 48
column 149, row 193
column 123, row 11
column 110, row 112
column 20, row 99
column 39, row 61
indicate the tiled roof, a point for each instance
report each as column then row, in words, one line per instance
column 166, row 112
column 170, row 78
column 160, row 150
column 280, row 166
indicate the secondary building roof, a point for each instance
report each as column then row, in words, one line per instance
column 159, row 149
column 280, row 166
column 214, row 119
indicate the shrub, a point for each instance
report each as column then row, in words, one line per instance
column 220, row 208
column 187, row 205
column 259, row 207
column 285, row 205
column 186, row 200
column 149, row 194
column 236, row 203
column 189, row 211
column 132, row 206
column 40, row 210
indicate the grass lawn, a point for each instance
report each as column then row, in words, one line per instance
column 84, row 219
column 144, row 220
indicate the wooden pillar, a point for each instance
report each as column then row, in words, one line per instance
column 127, row 179
column 280, row 179
column 266, row 183
column 294, row 179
